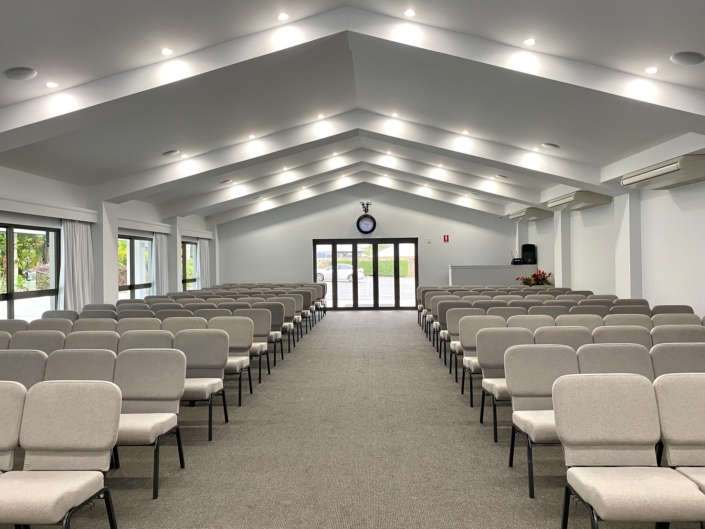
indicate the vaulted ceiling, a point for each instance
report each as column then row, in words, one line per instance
column 269, row 111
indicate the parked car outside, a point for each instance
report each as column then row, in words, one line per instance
column 345, row 273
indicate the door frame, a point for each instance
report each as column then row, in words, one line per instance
column 396, row 241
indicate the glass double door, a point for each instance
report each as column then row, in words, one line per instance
column 367, row 273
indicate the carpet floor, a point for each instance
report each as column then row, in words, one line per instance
column 361, row 426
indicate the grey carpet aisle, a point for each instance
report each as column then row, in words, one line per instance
column 360, row 427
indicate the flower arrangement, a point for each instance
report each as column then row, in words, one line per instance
column 539, row 278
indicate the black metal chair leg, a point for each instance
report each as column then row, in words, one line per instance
column 511, row 446
column 530, row 465
column 260, row 368
column 494, row 418
column 225, row 404
column 116, row 457
column 155, row 471
column 482, row 404
column 66, row 521
column 472, row 390
column 269, row 371
column 456, row 368
column 239, row 389
column 566, row 508
column 281, row 347
column 180, row 447
column 275, row 353
column 249, row 378
column 462, row 386
column 109, row 509
column 594, row 520
column 210, row 418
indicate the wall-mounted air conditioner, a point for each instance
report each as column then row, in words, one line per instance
column 530, row 214
column 667, row 175
column 578, row 201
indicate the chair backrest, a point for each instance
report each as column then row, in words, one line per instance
column 180, row 295
column 530, row 371
column 289, row 307
column 135, row 305
column 508, row 298
column 63, row 314
column 276, row 310
column 97, row 314
column 445, row 305
column 120, row 302
column 631, row 302
column 453, row 317
column 571, row 297
column 429, row 294
column 155, row 300
column 80, row 364
column 585, row 293
column 138, row 324
column 12, row 397
column 298, row 298
column 524, row 303
column 262, row 320
column 132, row 314
column 70, row 425
column 174, row 325
column 240, row 332
column 476, row 297
column 622, row 334
column 145, row 340
column 678, row 358
column 93, row 340
column 435, row 300
column 98, row 306
column 173, row 313
column 609, row 297
column 681, row 410
column 420, row 291
column 672, row 309
column 252, row 300
column 487, row 304
column 193, row 307
column 207, row 314
column 507, row 312
column 469, row 326
column 206, row 351
column 165, row 306
column 5, row 340
column 631, row 309
column 234, row 305
column 548, row 310
column 98, row 324
column 642, row 320
column 493, row 343
column 22, row 365
column 531, row 322
column 606, row 420
column 674, row 319
column 539, row 297
column 47, row 341
column 567, row 303
column 151, row 380
column 12, row 326
column 597, row 310
column 573, row 337
column 593, row 302
column 671, row 334
column 51, row 324
column 615, row 358
column 589, row 321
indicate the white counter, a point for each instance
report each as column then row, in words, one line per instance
column 487, row 274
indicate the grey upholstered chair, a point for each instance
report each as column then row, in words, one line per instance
column 667, row 334
column 297, row 320
column 443, row 336
column 609, row 297
column 150, row 301
column 567, row 303
column 630, row 302
column 173, row 313
column 491, row 346
column 206, row 353
column 524, row 303
column 51, row 324
column 193, row 307
column 64, row 314
column 571, row 297
column 47, row 341
column 98, row 306
column 676, row 319
column 107, row 340
column 97, row 314
column 240, row 337
column 678, row 358
column 623, row 334
column 539, row 297
column 433, row 317
column 507, row 312
column 134, row 305
column 597, row 310
column 138, row 324
column 672, row 309
column 132, row 314
column 174, row 325
column 25, row 366
column 152, row 383
column 452, row 334
column 276, row 311
column 67, row 448
column 261, row 318
column 80, row 364
column 145, row 340
column 593, row 302
column 631, row 309
column 469, row 326
column 12, row 326
column 531, row 321
column 615, row 358
column 548, row 310
column 156, row 307
column 289, row 314
column 208, row 314
column 589, row 321
column 5, row 340
column 97, row 324
column 530, row 371
column 472, row 298
column 609, row 426
column 486, row 304
column 642, row 320
column 12, row 397
column 573, row 337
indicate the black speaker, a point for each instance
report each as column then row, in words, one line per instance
column 528, row 254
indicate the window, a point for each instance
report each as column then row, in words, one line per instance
column 134, row 275
column 188, row 265
column 29, row 271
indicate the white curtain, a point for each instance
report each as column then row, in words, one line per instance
column 76, row 276
column 203, row 269
column 159, row 265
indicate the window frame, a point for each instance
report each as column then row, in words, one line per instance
column 185, row 282
column 132, row 287
column 11, row 296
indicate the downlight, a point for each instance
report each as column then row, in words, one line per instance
column 171, row 153
column 687, row 58
column 20, row 73
column 550, row 146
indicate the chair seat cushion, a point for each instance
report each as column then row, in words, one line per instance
column 288, row 328
column 44, row 497
column 201, row 388
column 305, row 314
column 497, row 387
column 456, row 348
column 694, row 474
column 258, row 349
column 445, row 336
column 471, row 363
column 236, row 364
column 274, row 336
column 143, row 428
column 436, row 325
column 429, row 318
column 539, row 425
column 419, row 308
column 638, row 494
column 297, row 319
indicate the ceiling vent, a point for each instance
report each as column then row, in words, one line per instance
column 667, row 175
column 530, row 214
column 578, row 201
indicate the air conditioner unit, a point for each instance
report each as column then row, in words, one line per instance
column 530, row 214
column 667, row 175
column 578, row 201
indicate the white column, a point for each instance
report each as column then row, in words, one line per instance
column 174, row 246
column 214, row 256
column 104, row 234
column 627, row 262
column 561, row 248
column 522, row 236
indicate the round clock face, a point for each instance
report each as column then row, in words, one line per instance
column 366, row 224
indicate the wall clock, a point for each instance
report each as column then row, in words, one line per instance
column 366, row 224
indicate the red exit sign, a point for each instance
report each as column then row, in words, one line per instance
column 446, row 238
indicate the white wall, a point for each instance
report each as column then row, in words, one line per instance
column 541, row 234
column 593, row 238
column 137, row 211
column 673, row 246
column 277, row 245
column 27, row 187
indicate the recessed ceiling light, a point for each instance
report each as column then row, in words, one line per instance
column 687, row 58
column 283, row 16
column 184, row 156
column 173, row 152
column 410, row 13
column 252, row 136
column 304, row 187
column 20, row 73
column 320, row 116
column 530, row 42
column 385, row 174
column 226, row 182
column 167, row 51
column 335, row 154
column 286, row 169
column 651, row 69
column 465, row 132
column 389, row 152
column 535, row 149
column 500, row 176
column 395, row 115
column 52, row 85
column 550, row 146
column 440, row 165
